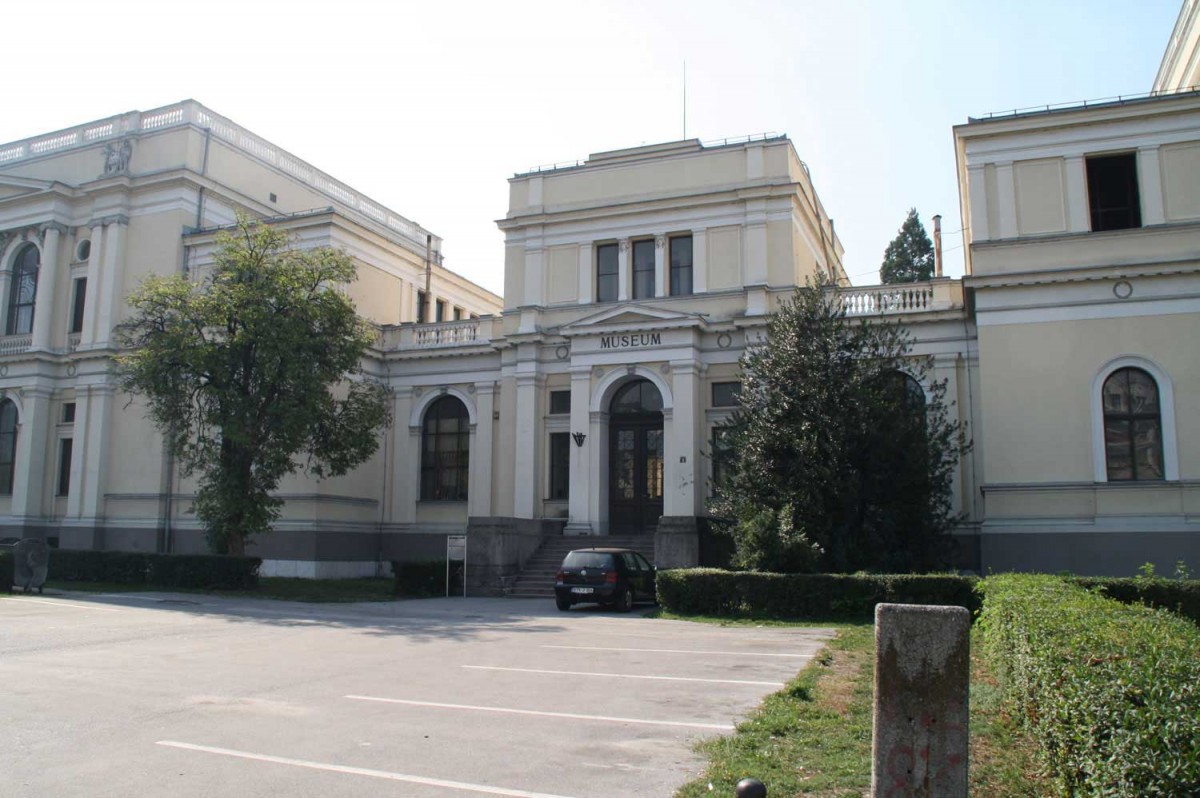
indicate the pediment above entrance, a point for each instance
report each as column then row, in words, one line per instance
column 631, row 317
column 16, row 186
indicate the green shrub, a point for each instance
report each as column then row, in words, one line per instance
column 1110, row 691
column 708, row 591
column 1177, row 595
column 420, row 578
column 161, row 570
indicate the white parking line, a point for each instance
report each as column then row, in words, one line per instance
column 438, row 705
column 62, row 604
column 352, row 771
column 681, row 651
column 623, row 676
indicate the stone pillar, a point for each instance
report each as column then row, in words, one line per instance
column 47, row 288
column 682, row 458
column 1150, row 178
column 525, row 483
column 406, row 458
column 109, row 300
column 33, row 444
column 587, row 277
column 581, row 488
column 623, row 270
column 699, row 261
column 597, row 459
column 79, row 432
column 1078, row 218
column 95, row 451
column 88, row 335
column 922, row 672
column 661, row 265
column 479, row 493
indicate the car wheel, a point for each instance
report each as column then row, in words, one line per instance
column 562, row 604
column 624, row 602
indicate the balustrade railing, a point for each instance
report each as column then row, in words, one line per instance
column 878, row 300
column 447, row 333
column 15, row 344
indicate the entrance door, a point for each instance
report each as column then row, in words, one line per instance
column 635, row 487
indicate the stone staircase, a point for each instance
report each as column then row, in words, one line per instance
column 536, row 580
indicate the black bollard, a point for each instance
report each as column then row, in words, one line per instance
column 750, row 788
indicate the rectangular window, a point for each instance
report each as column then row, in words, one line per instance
column 458, row 314
column 681, row 266
column 725, row 394
column 560, row 402
column 1113, row 192
column 722, row 457
column 64, row 467
column 560, row 465
column 77, row 305
column 643, row 269
column 606, row 273
column 441, row 311
column 68, row 414
column 421, row 311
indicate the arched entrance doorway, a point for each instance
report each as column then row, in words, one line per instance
column 635, row 458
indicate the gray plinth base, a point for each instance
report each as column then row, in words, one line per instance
column 677, row 542
column 922, row 673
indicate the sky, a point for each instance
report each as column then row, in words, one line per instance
column 428, row 108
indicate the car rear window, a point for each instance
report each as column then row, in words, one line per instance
column 587, row 559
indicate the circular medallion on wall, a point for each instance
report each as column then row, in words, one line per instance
column 1123, row 289
column 3, row 371
column 724, row 340
column 71, row 370
column 562, row 352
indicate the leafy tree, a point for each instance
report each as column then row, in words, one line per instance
column 838, row 463
column 909, row 258
column 250, row 367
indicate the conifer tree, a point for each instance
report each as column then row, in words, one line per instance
column 909, row 258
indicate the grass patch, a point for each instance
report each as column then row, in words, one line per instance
column 269, row 587
column 813, row 737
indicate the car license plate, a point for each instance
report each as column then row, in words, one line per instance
column 581, row 590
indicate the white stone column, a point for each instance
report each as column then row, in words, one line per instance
column 1078, row 218
column 79, row 433
column 661, row 265
column 99, row 423
column 683, row 480
column 581, row 477
column 623, row 270
column 406, row 459
column 528, row 433
column 597, row 458
column 47, row 287
column 110, row 299
column 479, row 493
column 1150, row 190
column 587, row 276
column 1006, row 200
column 699, row 261
column 977, row 186
column 29, row 473
column 88, row 335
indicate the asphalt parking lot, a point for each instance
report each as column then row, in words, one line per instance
column 186, row 695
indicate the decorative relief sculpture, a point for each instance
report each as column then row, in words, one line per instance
column 116, row 156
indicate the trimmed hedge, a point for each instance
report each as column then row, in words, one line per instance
column 6, row 570
column 420, row 579
column 161, row 570
column 1177, row 595
column 708, row 591
column 1110, row 691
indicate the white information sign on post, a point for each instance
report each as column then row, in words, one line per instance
column 456, row 551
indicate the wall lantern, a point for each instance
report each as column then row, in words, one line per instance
column 579, row 438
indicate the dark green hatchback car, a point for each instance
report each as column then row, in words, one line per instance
column 614, row 577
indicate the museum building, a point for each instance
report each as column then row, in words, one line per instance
column 589, row 401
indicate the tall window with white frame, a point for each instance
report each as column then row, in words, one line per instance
column 560, row 466
column 607, row 277
column 1133, row 444
column 445, row 451
column 681, row 266
column 643, row 269
column 23, row 291
column 8, row 445
column 77, row 305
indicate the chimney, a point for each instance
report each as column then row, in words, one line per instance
column 937, row 245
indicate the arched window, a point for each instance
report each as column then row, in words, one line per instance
column 8, row 445
column 23, row 291
column 445, row 451
column 1133, row 439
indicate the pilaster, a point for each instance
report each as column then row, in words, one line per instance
column 587, row 278
column 525, row 482
column 29, row 478
column 699, row 261
column 1150, row 177
column 581, row 476
column 623, row 274
column 1078, row 220
column 1006, row 200
column 88, row 335
column 98, row 425
column 479, row 491
column 110, row 298
column 682, row 460
column 977, row 186
column 660, row 266
column 43, row 303
column 406, row 458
